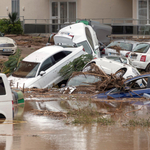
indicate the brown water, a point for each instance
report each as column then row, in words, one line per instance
column 33, row 132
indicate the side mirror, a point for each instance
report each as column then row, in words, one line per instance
column 42, row 73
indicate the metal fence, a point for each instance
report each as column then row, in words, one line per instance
column 126, row 26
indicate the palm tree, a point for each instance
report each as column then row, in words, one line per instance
column 13, row 17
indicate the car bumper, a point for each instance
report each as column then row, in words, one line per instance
column 139, row 64
column 8, row 50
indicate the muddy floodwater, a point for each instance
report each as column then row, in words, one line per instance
column 31, row 131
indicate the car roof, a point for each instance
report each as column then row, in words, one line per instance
column 43, row 53
column 136, row 77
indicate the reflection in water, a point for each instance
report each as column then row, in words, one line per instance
column 48, row 133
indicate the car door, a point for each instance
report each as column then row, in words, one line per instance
column 51, row 66
column 46, row 67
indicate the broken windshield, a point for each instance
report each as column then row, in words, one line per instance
column 26, row 70
column 122, row 45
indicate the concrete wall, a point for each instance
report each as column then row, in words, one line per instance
column 3, row 5
column 40, row 9
column 35, row 9
column 105, row 8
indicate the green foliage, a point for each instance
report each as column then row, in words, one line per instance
column 12, row 17
column 76, row 65
column 139, row 122
column 11, row 25
column 12, row 63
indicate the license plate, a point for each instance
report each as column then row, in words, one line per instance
column 133, row 57
column 6, row 50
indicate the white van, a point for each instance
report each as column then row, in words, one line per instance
column 80, row 34
column 41, row 68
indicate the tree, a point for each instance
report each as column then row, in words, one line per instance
column 13, row 17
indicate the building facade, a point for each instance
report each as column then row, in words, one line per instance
column 63, row 11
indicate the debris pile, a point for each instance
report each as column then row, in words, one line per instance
column 50, row 113
column 117, row 48
column 107, row 81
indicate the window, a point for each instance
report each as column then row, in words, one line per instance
column 46, row 64
column 60, row 55
column 62, row 12
column 122, row 45
column 83, row 80
column 2, row 87
column 114, row 58
column 141, row 48
column 139, row 83
column 15, row 6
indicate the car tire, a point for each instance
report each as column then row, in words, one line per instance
column 147, row 68
column 120, row 73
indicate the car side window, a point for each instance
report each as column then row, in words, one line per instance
column 138, row 84
column 2, row 87
column 124, row 60
column 46, row 64
column 57, row 57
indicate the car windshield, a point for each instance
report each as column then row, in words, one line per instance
column 83, row 80
column 122, row 45
column 26, row 70
column 141, row 48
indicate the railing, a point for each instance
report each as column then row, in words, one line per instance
column 126, row 26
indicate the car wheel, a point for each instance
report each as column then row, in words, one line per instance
column 147, row 68
column 120, row 73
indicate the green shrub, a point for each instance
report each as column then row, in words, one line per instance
column 12, row 63
column 11, row 25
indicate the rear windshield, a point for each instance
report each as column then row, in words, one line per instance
column 26, row 70
column 122, row 45
column 83, row 80
column 141, row 48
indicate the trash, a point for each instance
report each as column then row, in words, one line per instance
column 147, row 96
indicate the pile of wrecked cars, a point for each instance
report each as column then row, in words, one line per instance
column 111, row 69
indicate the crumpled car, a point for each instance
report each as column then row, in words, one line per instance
column 135, row 87
column 119, row 47
column 113, row 66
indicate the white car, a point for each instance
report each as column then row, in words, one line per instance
column 80, row 34
column 113, row 67
column 7, row 46
column 41, row 68
column 140, row 57
column 124, row 47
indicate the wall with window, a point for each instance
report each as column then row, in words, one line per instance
column 144, row 11
column 105, row 8
column 35, row 9
column 5, row 7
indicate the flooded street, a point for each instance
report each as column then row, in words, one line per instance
column 33, row 131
